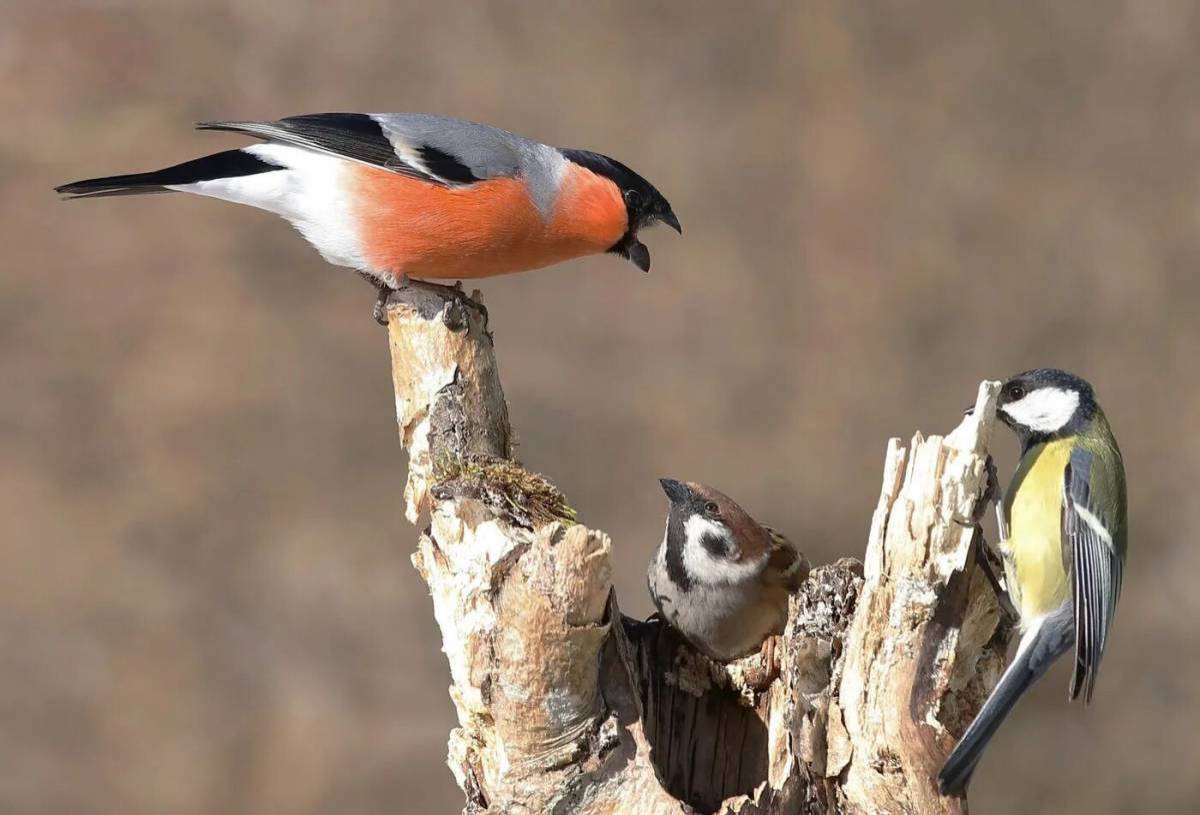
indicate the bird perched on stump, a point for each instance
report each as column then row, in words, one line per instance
column 719, row 577
column 1065, row 552
column 407, row 195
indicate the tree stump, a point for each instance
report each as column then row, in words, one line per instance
column 566, row 706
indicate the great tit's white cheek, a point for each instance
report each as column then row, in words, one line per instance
column 1045, row 410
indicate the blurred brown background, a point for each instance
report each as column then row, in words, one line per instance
column 206, row 603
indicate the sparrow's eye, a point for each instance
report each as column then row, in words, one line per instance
column 711, row 508
column 633, row 198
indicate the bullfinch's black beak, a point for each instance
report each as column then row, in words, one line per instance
column 670, row 220
column 677, row 491
column 638, row 255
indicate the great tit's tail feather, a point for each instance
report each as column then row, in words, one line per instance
column 1045, row 641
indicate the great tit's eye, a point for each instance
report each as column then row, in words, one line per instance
column 1016, row 392
column 633, row 198
column 711, row 508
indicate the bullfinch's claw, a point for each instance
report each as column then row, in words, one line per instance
column 379, row 310
column 455, row 293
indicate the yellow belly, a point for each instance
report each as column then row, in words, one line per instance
column 1037, row 575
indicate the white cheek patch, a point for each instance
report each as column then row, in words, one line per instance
column 702, row 566
column 1045, row 410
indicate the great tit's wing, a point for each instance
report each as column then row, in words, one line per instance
column 1095, row 565
column 435, row 149
column 784, row 561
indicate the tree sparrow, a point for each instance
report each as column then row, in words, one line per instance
column 719, row 577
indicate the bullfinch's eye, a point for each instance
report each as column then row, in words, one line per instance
column 633, row 198
column 711, row 508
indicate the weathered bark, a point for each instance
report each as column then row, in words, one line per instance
column 566, row 706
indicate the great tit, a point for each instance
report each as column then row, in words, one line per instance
column 400, row 195
column 719, row 577
column 1065, row 552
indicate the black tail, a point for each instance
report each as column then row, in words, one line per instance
column 1052, row 638
column 229, row 164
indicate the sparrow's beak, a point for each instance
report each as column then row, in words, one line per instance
column 677, row 491
column 670, row 220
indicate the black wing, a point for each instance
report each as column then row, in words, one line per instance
column 358, row 137
column 1095, row 570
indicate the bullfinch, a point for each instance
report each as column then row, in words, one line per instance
column 408, row 195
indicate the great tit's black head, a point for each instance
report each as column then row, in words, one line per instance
column 1045, row 403
column 644, row 205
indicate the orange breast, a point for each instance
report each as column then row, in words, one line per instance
column 407, row 226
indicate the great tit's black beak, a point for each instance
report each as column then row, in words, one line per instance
column 677, row 491
column 670, row 220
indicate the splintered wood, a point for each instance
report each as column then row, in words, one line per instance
column 566, row 706
column 925, row 613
